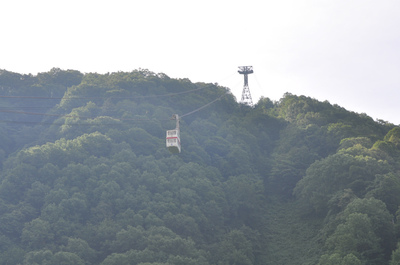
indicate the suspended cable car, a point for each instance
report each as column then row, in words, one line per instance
column 173, row 139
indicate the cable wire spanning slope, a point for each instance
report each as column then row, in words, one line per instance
column 202, row 107
column 86, row 117
column 135, row 97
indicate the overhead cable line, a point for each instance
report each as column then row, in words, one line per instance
column 17, row 107
column 9, row 109
column 98, row 117
column 206, row 105
column 60, row 124
column 111, row 97
column 67, row 115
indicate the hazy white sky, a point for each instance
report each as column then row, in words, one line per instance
column 343, row 51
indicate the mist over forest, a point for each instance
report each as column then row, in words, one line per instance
column 86, row 178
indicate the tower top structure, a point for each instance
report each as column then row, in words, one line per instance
column 246, row 95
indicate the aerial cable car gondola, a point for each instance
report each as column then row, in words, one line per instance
column 173, row 139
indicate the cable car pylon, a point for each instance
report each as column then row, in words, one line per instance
column 246, row 96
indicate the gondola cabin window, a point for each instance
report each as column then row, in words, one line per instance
column 173, row 141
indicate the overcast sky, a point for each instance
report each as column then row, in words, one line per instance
column 343, row 51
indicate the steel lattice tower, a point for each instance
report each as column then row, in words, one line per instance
column 246, row 96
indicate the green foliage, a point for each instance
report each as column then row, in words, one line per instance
column 381, row 221
column 337, row 259
column 13, row 255
column 350, row 142
column 337, row 172
column 88, row 180
column 387, row 189
column 47, row 257
column 37, row 234
column 393, row 136
column 235, row 248
column 80, row 248
column 395, row 260
column 355, row 236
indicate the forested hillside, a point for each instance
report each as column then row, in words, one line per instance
column 86, row 177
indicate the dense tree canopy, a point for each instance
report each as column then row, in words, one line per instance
column 86, row 178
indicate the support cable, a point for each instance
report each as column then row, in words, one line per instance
column 86, row 117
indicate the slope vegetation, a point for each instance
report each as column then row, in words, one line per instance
column 86, row 178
